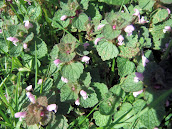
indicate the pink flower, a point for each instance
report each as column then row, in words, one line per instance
column 142, row 20
column 139, row 76
column 129, row 29
column 135, row 94
column 63, row 17
column 0, row 31
column 27, row 24
column 168, row 10
column 77, row 102
column 137, row 13
column 25, row 45
column 65, row 80
column 100, row 26
column 85, row 59
column 29, row 2
column 167, row 28
column 29, row 88
column 86, row 45
column 20, row 115
column 52, row 107
column 97, row 40
column 31, row 97
column 84, row 94
column 114, row 27
column 120, row 39
column 144, row 60
column 13, row 39
column 57, row 62
column 40, row 81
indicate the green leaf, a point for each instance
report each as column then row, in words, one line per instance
column 15, row 50
column 64, row 57
column 107, row 50
column 109, row 33
column 118, row 91
column 60, row 122
column 130, row 86
column 3, row 44
column 91, row 100
column 100, row 88
column 127, row 52
column 131, row 41
column 54, row 52
column 56, row 20
column 84, row 4
column 41, row 48
column 138, row 105
column 125, row 66
column 109, row 105
column 28, row 38
column 102, row 120
column 34, row 13
column 94, row 13
column 124, row 109
column 85, row 124
column 114, row 2
column 146, row 4
column 166, row 1
column 86, row 78
column 160, row 15
column 80, row 22
column 153, row 117
column 12, row 30
column 72, row 71
column 67, row 94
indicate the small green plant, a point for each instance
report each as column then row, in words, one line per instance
column 103, row 63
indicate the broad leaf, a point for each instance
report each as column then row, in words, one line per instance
column 107, row 50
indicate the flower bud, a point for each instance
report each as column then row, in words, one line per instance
column 97, row 40
column 57, row 62
column 52, row 107
column 135, row 94
column 167, row 28
column 65, row 80
column 85, row 59
column 27, row 24
column 29, row 88
column 31, row 97
column 13, row 39
column 139, row 76
column 100, row 26
column 84, row 94
column 63, row 17
column 77, row 102
column 129, row 29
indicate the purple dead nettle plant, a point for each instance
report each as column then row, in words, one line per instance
column 38, row 110
column 63, row 18
column 65, row 80
column 84, row 94
column 97, row 40
column 167, row 29
column 77, row 102
column 27, row 24
column 120, row 40
column 129, row 29
column 86, row 45
column 13, row 39
column 85, row 59
column 139, row 76
column 57, row 62
column 140, row 20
